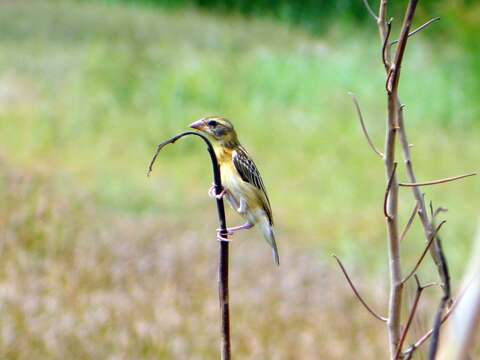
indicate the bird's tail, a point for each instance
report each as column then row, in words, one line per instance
column 269, row 235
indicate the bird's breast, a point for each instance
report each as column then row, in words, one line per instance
column 230, row 178
column 232, row 181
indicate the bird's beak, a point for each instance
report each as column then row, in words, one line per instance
column 198, row 125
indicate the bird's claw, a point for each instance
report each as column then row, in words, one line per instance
column 221, row 195
column 221, row 238
column 229, row 232
column 221, row 235
column 211, row 191
column 213, row 195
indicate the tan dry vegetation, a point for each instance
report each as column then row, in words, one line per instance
column 117, row 287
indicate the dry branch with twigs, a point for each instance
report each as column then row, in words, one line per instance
column 392, row 57
column 411, row 315
column 393, row 77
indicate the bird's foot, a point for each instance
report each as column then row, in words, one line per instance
column 229, row 232
column 213, row 195
column 211, row 191
column 233, row 229
column 222, row 238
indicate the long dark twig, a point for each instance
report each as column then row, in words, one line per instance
column 432, row 351
column 445, row 275
column 444, row 272
column 439, row 181
column 364, row 128
column 418, row 294
column 420, row 259
column 420, row 28
column 409, row 352
column 385, row 43
column 223, row 255
column 359, row 297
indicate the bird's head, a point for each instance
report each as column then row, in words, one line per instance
column 218, row 129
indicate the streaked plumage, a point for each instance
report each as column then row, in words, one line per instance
column 244, row 188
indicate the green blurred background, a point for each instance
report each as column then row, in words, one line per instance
column 99, row 261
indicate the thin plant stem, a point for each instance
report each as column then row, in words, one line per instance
column 439, row 181
column 418, row 294
column 223, row 293
column 420, row 259
column 355, row 291
column 364, row 128
column 420, row 28
column 393, row 77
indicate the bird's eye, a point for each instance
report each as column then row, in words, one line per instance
column 212, row 123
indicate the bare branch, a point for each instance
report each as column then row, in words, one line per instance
column 393, row 74
column 409, row 222
column 428, row 227
column 387, row 192
column 394, row 123
column 420, row 28
column 393, row 79
column 382, row 12
column 369, row 9
column 418, row 294
column 445, row 276
column 426, row 336
column 444, row 318
column 369, row 309
column 362, row 123
column 419, row 261
column 440, row 181
column 432, row 352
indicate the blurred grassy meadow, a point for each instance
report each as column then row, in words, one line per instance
column 99, row 261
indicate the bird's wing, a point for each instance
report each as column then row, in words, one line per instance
column 249, row 173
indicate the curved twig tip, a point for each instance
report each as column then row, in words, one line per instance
column 364, row 128
column 355, row 291
column 440, row 181
column 384, row 48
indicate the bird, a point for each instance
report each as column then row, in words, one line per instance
column 243, row 187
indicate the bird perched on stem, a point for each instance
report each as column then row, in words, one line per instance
column 243, row 187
